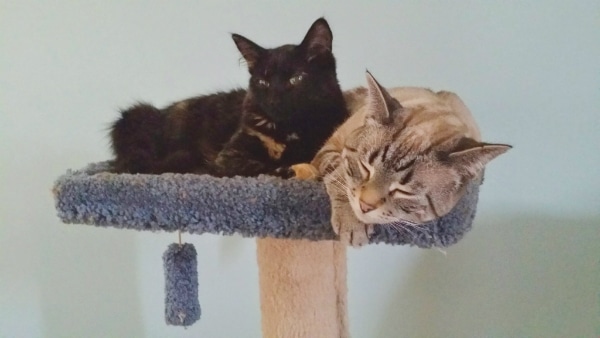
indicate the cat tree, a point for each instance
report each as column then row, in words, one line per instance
column 302, row 265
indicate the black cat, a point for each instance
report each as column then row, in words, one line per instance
column 292, row 105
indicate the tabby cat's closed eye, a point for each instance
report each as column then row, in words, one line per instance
column 365, row 172
column 399, row 193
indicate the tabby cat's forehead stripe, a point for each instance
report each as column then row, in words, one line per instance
column 349, row 171
column 397, row 133
column 406, row 165
column 373, row 155
column 330, row 153
column 385, row 151
column 432, row 206
column 407, row 177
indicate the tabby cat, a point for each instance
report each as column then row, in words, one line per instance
column 405, row 154
column 292, row 105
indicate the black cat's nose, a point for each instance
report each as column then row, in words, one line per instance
column 365, row 207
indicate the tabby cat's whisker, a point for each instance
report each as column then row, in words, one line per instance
column 408, row 226
column 338, row 183
column 338, row 180
column 402, row 227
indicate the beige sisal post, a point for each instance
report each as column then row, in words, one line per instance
column 302, row 288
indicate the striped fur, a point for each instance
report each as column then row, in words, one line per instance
column 405, row 154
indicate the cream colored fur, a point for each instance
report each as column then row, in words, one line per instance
column 432, row 148
column 437, row 112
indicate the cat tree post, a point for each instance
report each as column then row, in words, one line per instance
column 302, row 288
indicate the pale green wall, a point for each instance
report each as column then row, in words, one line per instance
column 529, row 70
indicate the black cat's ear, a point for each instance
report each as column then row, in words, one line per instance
column 250, row 51
column 318, row 39
column 470, row 156
column 382, row 106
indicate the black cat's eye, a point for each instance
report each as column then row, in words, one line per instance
column 294, row 80
column 263, row 83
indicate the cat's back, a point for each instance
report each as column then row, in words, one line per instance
column 356, row 98
column 438, row 110
column 427, row 110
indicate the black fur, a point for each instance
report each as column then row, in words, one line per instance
column 292, row 105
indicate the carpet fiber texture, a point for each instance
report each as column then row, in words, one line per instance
column 263, row 206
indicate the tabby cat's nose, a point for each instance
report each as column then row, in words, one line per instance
column 365, row 207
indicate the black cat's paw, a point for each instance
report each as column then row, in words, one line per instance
column 284, row 172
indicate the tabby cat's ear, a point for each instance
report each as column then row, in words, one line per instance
column 382, row 106
column 470, row 156
column 318, row 39
column 250, row 51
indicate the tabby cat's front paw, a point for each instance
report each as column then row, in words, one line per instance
column 351, row 231
column 361, row 235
